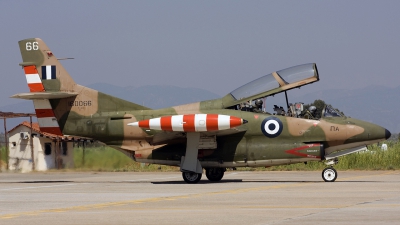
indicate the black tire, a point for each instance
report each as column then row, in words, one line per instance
column 215, row 174
column 191, row 177
column 329, row 174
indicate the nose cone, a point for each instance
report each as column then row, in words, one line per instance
column 369, row 132
column 387, row 134
column 376, row 132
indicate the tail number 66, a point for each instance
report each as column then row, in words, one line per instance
column 31, row 46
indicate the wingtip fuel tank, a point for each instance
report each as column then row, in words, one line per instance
column 191, row 122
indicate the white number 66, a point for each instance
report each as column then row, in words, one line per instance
column 31, row 46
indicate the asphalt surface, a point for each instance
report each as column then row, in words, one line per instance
column 360, row 197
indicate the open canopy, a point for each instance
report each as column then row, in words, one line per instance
column 277, row 82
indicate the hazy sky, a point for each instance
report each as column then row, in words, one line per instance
column 214, row 45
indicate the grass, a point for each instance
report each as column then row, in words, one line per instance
column 3, row 161
column 375, row 159
column 107, row 159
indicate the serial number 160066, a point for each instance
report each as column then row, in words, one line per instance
column 80, row 103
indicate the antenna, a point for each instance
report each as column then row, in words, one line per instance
column 64, row 58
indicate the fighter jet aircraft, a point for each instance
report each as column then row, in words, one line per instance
column 229, row 132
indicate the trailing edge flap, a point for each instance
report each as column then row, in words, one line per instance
column 44, row 95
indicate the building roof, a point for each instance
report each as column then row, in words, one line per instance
column 15, row 115
column 36, row 128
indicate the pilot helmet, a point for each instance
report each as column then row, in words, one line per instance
column 258, row 102
column 312, row 108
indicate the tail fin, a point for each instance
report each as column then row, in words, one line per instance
column 58, row 100
column 38, row 59
column 54, row 77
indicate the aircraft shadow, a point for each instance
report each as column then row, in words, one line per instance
column 38, row 182
column 183, row 182
column 201, row 182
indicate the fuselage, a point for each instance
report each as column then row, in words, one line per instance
column 299, row 140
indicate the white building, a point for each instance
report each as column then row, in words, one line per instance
column 49, row 151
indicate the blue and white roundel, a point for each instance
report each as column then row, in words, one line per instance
column 271, row 127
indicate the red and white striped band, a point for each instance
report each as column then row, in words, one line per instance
column 190, row 122
column 33, row 79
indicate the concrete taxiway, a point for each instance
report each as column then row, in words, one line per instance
column 357, row 197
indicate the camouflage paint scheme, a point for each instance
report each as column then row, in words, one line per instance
column 96, row 115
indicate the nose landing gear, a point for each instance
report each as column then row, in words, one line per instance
column 329, row 174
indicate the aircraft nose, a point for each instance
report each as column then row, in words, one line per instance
column 369, row 131
column 387, row 134
column 376, row 132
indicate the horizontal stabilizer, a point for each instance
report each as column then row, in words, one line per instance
column 44, row 95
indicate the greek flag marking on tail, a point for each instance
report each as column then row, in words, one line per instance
column 48, row 72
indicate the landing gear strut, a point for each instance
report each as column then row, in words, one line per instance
column 191, row 177
column 215, row 174
column 329, row 174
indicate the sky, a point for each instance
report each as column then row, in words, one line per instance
column 214, row 45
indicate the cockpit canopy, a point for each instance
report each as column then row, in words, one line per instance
column 277, row 82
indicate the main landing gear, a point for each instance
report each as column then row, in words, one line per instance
column 212, row 174
column 191, row 177
column 215, row 174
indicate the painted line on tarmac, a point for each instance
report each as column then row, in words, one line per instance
column 49, row 186
column 208, row 207
column 172, row 198
column 322, row 207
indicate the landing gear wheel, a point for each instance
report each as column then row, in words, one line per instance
column 215, row 174
column 191, row 177
column 329, row 174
